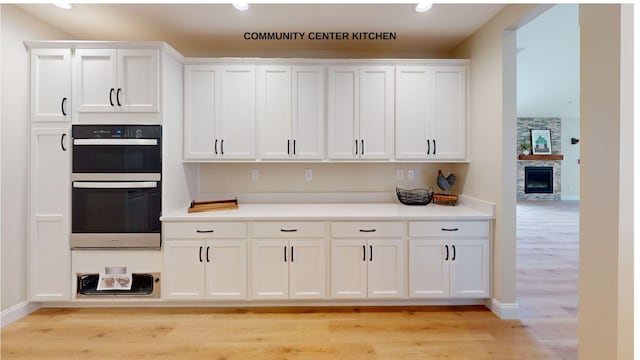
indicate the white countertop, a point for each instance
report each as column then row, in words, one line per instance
column 308, row 211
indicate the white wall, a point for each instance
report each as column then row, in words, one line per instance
column 605, row 282
column 570, row 169
column 17, row 26
column 486, row 178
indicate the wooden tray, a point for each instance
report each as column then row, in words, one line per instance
column 443, row 199
column 198, row 206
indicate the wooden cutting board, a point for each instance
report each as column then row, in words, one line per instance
column 199, row 206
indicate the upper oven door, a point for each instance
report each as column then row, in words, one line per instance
column 117, row 156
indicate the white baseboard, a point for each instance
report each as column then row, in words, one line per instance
column 505, row 311
column 17, row 312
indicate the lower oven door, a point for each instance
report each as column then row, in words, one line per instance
column 115, row 214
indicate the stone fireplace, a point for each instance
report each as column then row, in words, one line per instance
column 542, row 180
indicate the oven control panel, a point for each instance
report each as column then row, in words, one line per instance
column 117, row 131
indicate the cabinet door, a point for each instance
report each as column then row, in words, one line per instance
column 138, row 80
column 448, row 126
column 344, row 111
column 469, row 268
column 274, row 112
column 387, row 260
column 307, row 268
column 238, row 118
column 50, row 85
column 201, row 109
column 226, row 269
column 95, row 80
column 183, row 270
column 50, row 183
column 376, row 112
column 308, row 112
column 429, row 268
column 348, row 268
column 412, row 112
column 270, row 270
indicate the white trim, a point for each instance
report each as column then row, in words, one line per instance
column 17, row 312
column 569, row 197
column 506, row 311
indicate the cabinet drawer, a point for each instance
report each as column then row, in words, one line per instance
column 205, row 230
column 278, row 229
column 449, row 229
column 367, row 229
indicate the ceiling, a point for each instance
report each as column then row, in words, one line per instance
column 548, row 64
column 217, row 29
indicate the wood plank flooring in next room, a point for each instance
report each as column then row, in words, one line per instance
column 547, row 273
column 214, row 333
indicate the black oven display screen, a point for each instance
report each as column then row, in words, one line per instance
column 116, row 210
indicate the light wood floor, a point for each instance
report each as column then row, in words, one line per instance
column 547, row 278
column 547, row 273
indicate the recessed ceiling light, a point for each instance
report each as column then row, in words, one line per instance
column 242, row 6
column 423, row 7
column 62, row 5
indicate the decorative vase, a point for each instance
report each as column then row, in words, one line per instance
column 525, row 152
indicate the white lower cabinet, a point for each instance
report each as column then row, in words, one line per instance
column 449, row 260
column 369, row 262
column 49, row 220
column 205, row 261
column 289, row 261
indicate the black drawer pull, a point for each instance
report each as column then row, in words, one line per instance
column 370, row 252
column 208, row 254
column 367, row 230
column 285, row 254
column 111, row 96
column 447, row 256
column 288, row 230
column 364, row 253
column 454, row 253
column 215, row 147
column 449, row 229
column 204, row 231
column 64, row 100
column 200, row 253
column 292, row 254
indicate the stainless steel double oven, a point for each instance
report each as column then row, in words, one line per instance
column 116, row 186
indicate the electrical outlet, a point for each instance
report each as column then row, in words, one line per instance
column 255, row 174
column 411, row 174
column 308, row 174
column 399, row 174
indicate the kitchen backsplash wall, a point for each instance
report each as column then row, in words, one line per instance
column 343, row 177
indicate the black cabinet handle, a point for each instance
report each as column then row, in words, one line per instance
column 292, row 254
column 356, row 146
column 204, row 231
column 288, row 147
column 449, row 229
column 367, row 230
column 200, row 253
column 64, row 100
column 285, row 254
column 222, row 146
column 288, row 230
column 118, row 96
column 208, row 254
column 370, row 252
column 446, row 256
column 362, row 150
column 364, row 253
column 215, row 147
column 428, row 147
column 62, row 141
column 294, row 146
column 454, row 253
column 111, row 96
column 434, row 146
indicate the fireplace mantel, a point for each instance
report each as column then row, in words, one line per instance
column 541, row 157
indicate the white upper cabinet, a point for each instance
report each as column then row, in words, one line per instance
column 290, row 104
column 360, row 115
column 50, row 85
column 116, row 80
column 430, row 112
column 219, row 111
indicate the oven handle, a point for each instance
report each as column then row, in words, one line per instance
column 115, row 141
column 115, row 185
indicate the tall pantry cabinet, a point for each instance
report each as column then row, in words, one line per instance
column 50, row 175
